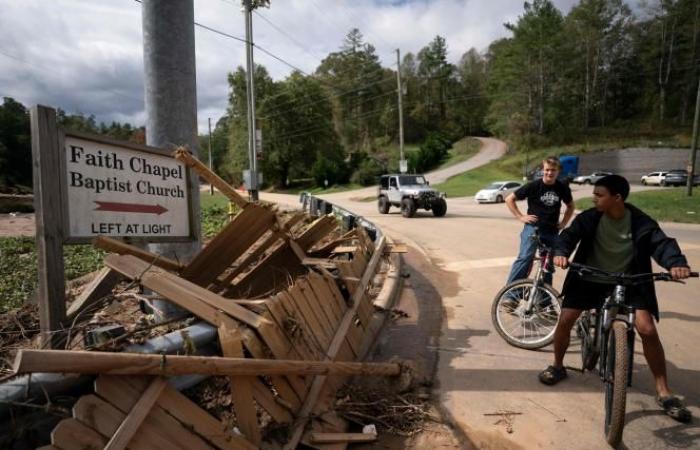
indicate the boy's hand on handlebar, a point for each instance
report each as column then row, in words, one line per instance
column 528, row 218
column 680, row 273
column 561, row 261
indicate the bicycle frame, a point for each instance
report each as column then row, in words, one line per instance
column 614, row 309
column 544, row 264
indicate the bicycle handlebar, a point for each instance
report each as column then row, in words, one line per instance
column 623, row 278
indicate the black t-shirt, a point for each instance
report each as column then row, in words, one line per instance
column 544, row 201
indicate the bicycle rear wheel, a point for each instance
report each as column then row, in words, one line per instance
column 615, row 378
column 521, row 328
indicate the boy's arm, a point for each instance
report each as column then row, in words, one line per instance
column 570, row 208
column 665, row 250
column 567, row 241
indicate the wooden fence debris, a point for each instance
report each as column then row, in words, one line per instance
column 292, row 305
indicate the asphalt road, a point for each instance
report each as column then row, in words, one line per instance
column 471, row 250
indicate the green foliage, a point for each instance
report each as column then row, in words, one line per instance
column 18, row 267
column 430, row 153
column 216, row 212
column 367, row 173
column 15, row 145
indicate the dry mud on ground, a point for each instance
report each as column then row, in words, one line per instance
column 17, row 224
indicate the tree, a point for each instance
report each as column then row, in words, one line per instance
column 436, row 80
column 527, row 65
column 298, row 130
column 236, row 158
column 358, row 88
column 15, row 145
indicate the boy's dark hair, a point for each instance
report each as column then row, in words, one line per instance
column 615, row 184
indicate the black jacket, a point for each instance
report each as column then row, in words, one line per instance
column 649, row 241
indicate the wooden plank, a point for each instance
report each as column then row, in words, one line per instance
column 355, row 333
column 272, row 274
column 290, row 326
column 316, row 231
column 70, row 434
column 278, row 409
column 47, row 160
column 105, row 419
column 135, row 417
column 327, row 298
column 78, row 361
column 345, row 249
column 331, row 438
column 123, row 392
column 203, row 171
column 196, row 299
column 241, row 386
column 229, row 244
column 312, row 343
column 97, row 289
column 121, row 248
column 258, row 350
column 338, row 338
column 281, row 349
column 321, row 262
column 273, row 238
column 320, row 328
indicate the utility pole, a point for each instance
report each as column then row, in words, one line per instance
column 250, row 96
column 694, row 145
column 211, row 186
column 171, row 106
column 402, row 162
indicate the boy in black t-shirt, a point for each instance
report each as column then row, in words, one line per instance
column 544, row 199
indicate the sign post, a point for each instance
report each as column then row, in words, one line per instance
column 86, row 186
column 46, row 157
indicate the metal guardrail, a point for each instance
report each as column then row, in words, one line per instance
column 316, row 206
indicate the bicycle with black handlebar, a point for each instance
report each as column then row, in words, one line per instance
column 607, row 340
column 525, row 312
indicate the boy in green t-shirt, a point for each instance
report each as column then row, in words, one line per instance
column 617, row 237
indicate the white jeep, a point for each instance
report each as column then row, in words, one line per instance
column 409, row 192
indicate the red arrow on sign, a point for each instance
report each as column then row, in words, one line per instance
column 130, row 207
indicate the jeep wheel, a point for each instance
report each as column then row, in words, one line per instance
column 408, row 207
column 439, row 207
column 383, row 205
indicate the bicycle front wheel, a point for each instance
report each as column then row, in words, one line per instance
column 615, row 378
column 520, row 327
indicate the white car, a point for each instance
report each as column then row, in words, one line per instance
column 655, row 178
column 497, row 191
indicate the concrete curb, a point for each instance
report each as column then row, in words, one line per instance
column 391, row 289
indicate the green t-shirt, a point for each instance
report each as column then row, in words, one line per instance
column 613, row 247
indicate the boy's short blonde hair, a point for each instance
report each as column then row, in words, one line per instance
column 552, row 161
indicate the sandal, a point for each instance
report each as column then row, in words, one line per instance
column 674, row 408
column 552, row 375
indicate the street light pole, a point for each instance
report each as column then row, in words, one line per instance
column 694, row 144
column 402, row 167
column 250, row 96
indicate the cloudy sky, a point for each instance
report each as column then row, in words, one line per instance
column 86, row 55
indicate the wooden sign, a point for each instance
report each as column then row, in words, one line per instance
column 119, row 189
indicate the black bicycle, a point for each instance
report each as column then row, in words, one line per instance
column 607, row 340
column 525, row 312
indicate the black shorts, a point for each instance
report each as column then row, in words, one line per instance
column 584, row 294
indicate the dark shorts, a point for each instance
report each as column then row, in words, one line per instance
column 583, row 294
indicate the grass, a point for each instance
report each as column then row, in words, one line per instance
column 461, row 150
column 18, row 258
column 664, row 205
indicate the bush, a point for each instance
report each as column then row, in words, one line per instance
column 367, row 173
column 323, row 169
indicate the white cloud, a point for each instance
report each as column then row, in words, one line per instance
column 86, row 55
